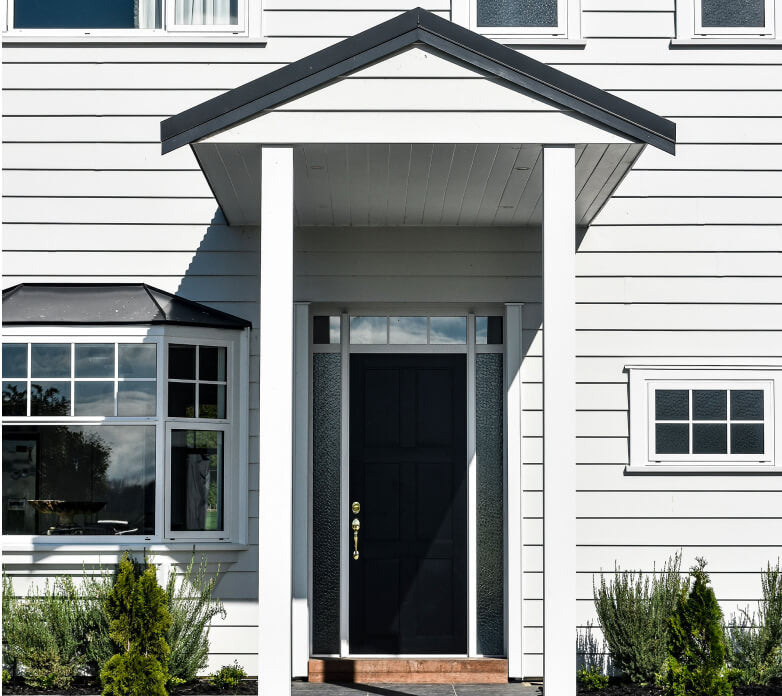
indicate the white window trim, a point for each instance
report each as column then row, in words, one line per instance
column 248, row 28
column 643, row 379
column 235, row 455
column 689, row 29
column 568, row 28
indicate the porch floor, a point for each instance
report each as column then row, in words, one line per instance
column 515, row 689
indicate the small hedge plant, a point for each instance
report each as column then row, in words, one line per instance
column 228, row 677
column 592, row 679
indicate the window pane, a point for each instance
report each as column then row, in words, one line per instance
column 517, row 13
column 672, row 404
column 207, row 12
column 709, row 404
column 709, row 438
column 181, row 361
column 196, row 480
column 211, row 401
column 488, row 330
column 325, row 330
column 75, row 14
column 448, row 330
column 733, row 13
column 137, row 360
column 14, row 398
column 81, row 480
column 181, row 399
column 15, row 360
column 672, row 438
column 94, row 359
column 93, row 399
column 407, row 330
column 50, row 399
column 368, row 330
column 746, row 438
column 746, row 404
column 51, row 359
column 211, row 363
column 136, row 398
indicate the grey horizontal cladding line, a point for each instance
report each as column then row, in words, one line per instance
column 417, row 27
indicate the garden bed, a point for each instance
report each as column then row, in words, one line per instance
column 624, row 689
column 91, row 688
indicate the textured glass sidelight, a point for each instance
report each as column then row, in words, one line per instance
column 733, row 13
column 517, row 13
column 326, row 454
column 490, row 503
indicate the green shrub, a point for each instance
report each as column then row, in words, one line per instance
column 592, row 679
column 696, row 644
column 228, row 677
column 192, row 609
column 139, row 619
column 754, row 641
column 634, row 611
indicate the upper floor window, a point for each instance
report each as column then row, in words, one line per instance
column 518, row 18
column 119, row 16
column 726, row 19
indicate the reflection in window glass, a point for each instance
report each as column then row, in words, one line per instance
column 136, row 398
column 51, row 359
column 407, row 330
column 211, row 400
column 368, row 330
column 15, row 360
column 78, row 480
column 733, row 13
column 50, row 399
column 196, row 480
column 325, row 330
column 94, row 359
column 517, row 13
column 93, row 399
column 137, row 360
column 488, row 330
column 181, row 399
column 211, row 363
column 447, row 330
column 14, row 398
column 86, row 14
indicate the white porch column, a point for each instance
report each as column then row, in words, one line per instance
column 276, row 423
column 559, row 421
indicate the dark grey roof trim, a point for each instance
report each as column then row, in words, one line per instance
column 107, row 304
column 411, row 27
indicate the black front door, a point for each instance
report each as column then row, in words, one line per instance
column 408, row 445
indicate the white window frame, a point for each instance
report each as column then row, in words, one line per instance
column 568, row 25
column 645, row 380
column 235, row 425
column 689, row 24
column 249, row 26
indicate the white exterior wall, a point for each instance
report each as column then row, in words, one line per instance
column 682, row 266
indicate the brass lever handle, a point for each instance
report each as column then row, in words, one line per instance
column 356, row 526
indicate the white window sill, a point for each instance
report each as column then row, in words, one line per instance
column 712, row 41
column 27, row 552
column 513, row 40
column 732, row 469
column 167, row 39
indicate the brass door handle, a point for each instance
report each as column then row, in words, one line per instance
column 356, row 526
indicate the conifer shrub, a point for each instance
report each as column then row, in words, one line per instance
column 634, row 611
column 754, row 641
column 696, row 644
column 138, row 623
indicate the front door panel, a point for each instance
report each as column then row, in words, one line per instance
column 408, row 587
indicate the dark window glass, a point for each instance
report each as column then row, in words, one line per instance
column 15, row 360
column 517, row 13
column 709, row 438
column 14, row 398
column 136, row 398
column 746, row 404
column 709, row 404
column 196, row 480
column 78, row 480
column 211, row 400
column 50, row 399
column 93, row 399
column 672, row 438
column 488, row 330
column 137, row 360
column 746, row 438
column 94, row 359
column 672, row 404
column 51, row 360
column 321, row 330
column 211, row 363
column 733, row 13
column 75, row 14
column 181, row 399
column 181, row 361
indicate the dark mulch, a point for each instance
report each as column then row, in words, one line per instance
column 90, row 688
column 624, row 689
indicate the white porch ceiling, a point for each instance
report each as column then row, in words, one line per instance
column 416, row 184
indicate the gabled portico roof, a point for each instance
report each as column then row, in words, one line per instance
column 422, row 28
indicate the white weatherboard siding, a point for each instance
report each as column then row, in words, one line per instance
column 683, row 266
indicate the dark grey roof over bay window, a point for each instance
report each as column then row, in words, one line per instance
column 50, row 304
